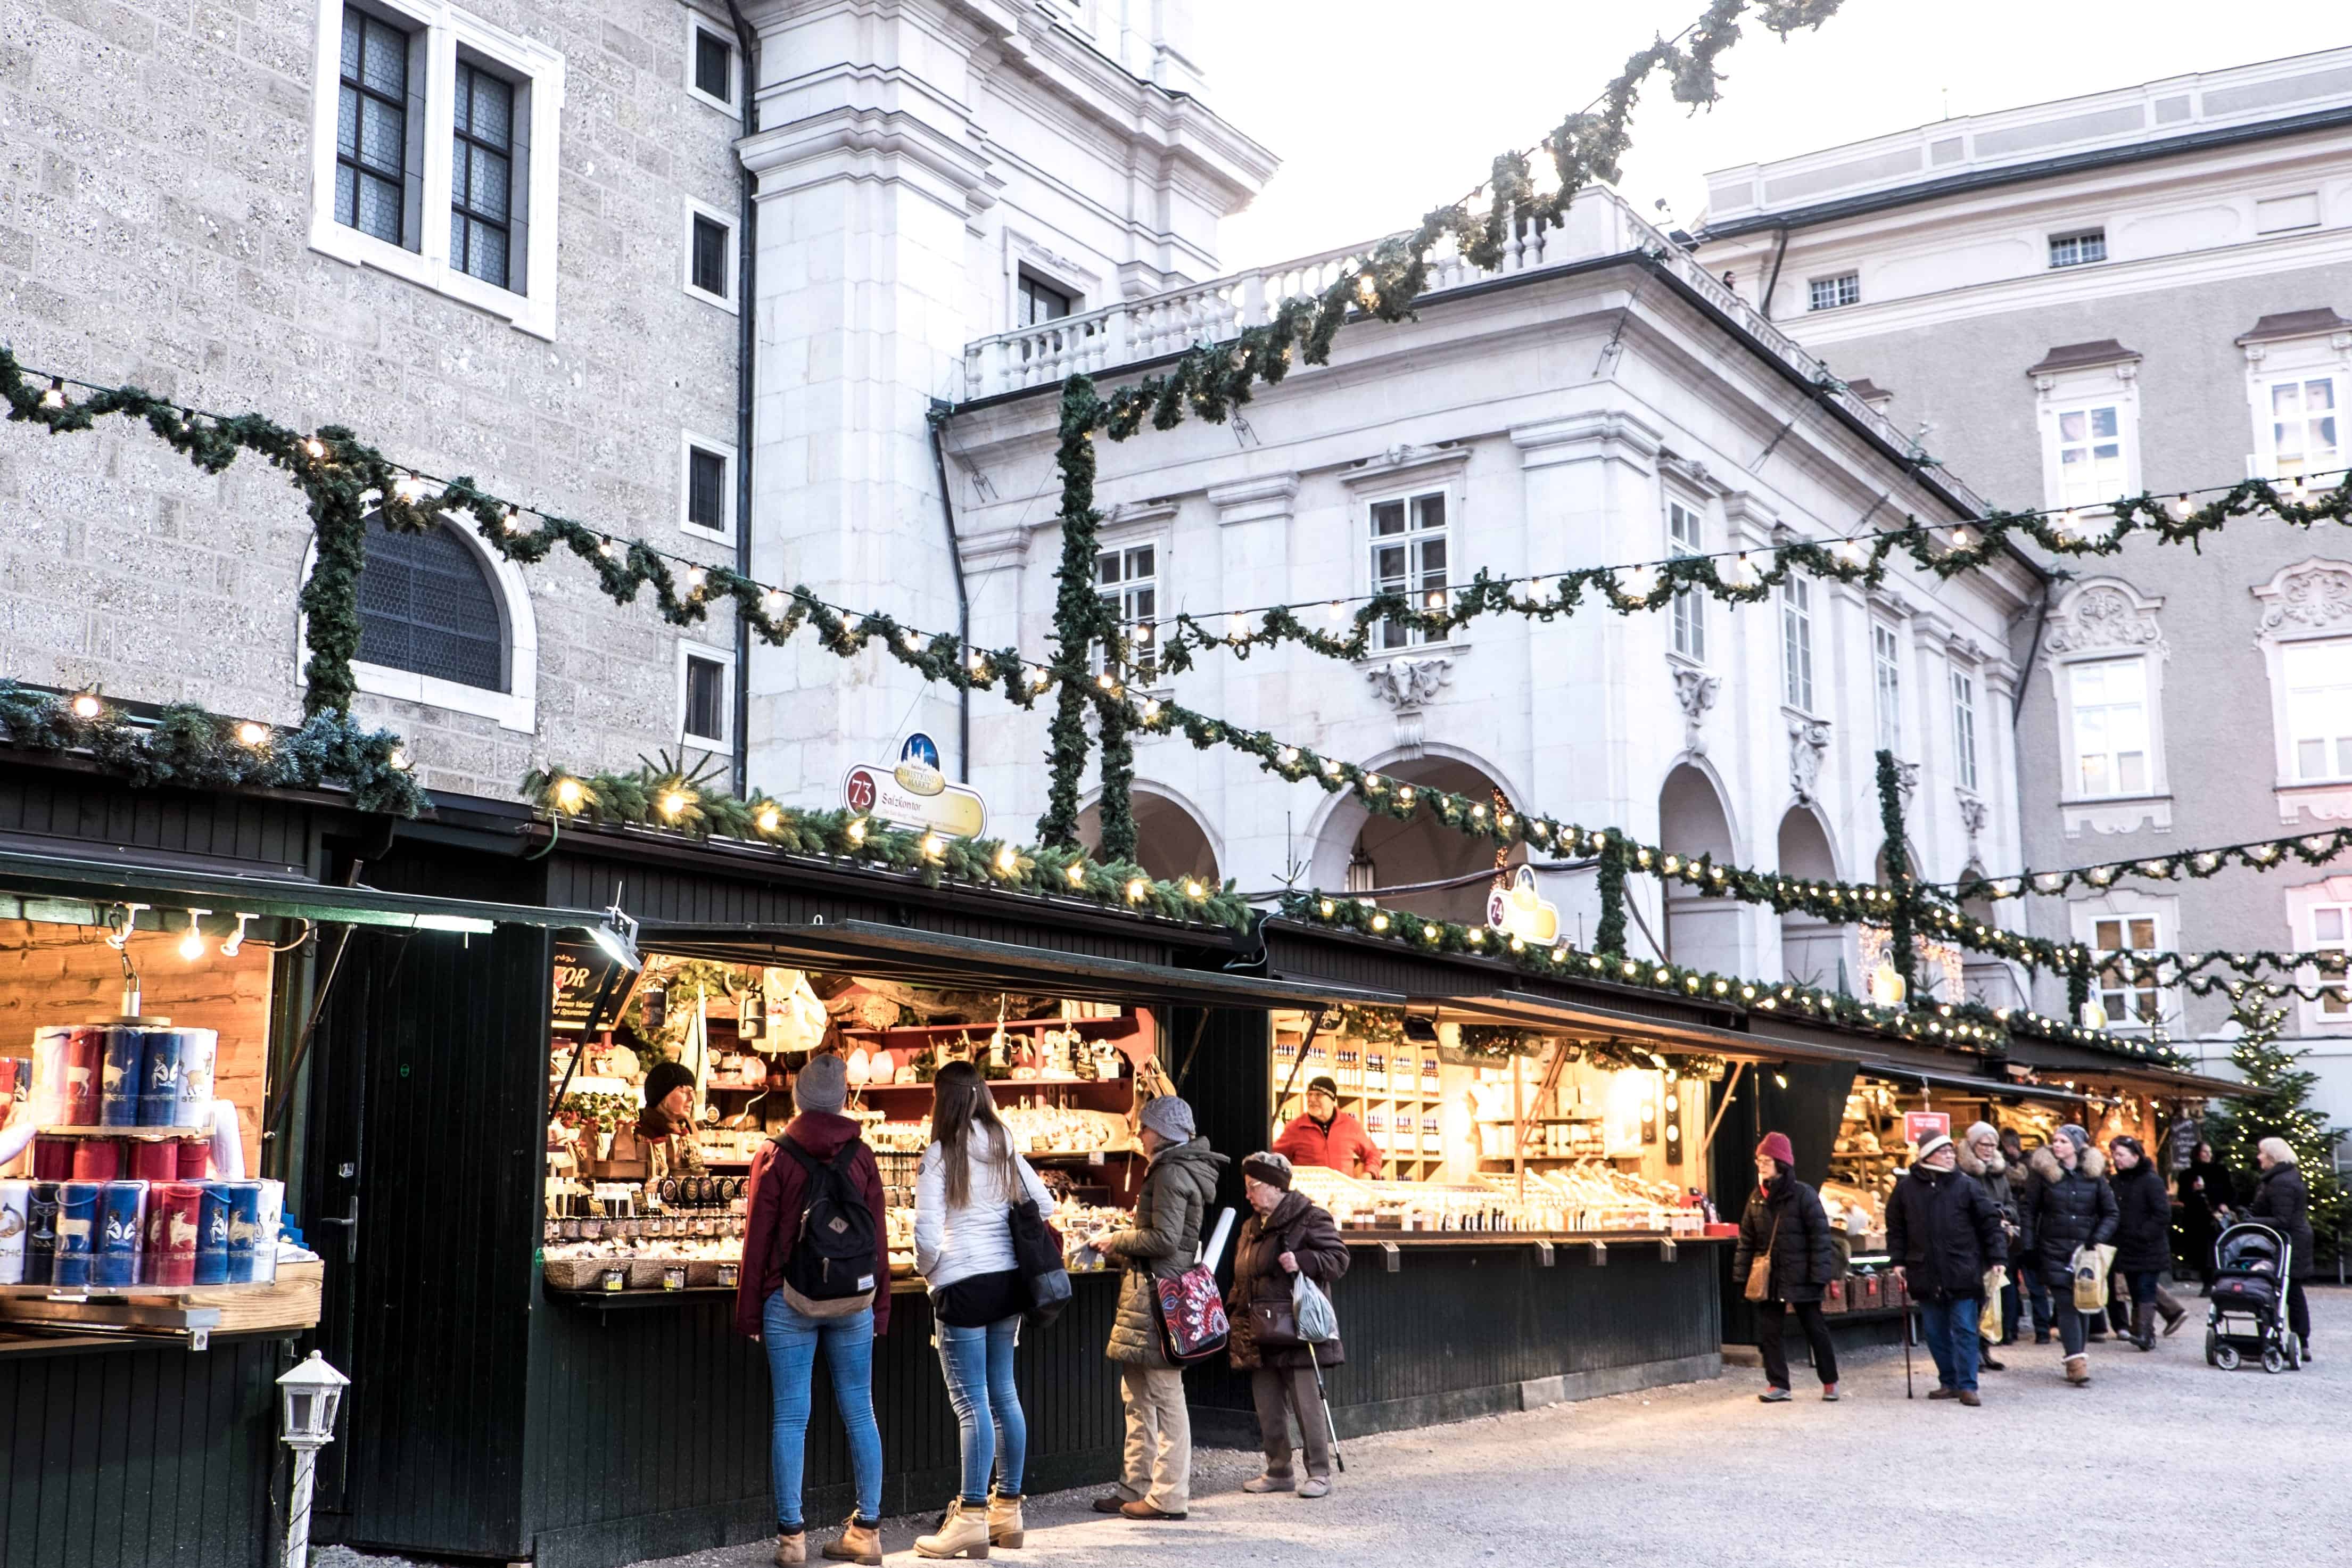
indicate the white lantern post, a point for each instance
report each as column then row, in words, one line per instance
column 308, row 1395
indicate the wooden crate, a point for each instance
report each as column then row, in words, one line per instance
column 291, row 1303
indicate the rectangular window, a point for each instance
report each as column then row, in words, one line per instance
column 481, row 175
column 1829, row 293
column 1964, row 729
column 2110, row 706
column 2306, row 434
column 2319, row 708
column 2078, row 249
column 705, row 700
column 714, row 67
column 2130, row 997
column 2331, row 932
column 1796, row 644
column 2091, row 456
column 1127, row 583
column 1041, row 302
column 707, row 259
column 1886, row 684
column 1409, row 557
column 372, row 130
column 1690, row 604
column 705, row 489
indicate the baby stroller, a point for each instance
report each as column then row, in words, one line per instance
column 2245, row 1318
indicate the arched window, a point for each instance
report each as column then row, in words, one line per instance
column 427, row 606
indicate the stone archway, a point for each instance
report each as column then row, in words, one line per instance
column 1171, row 842
column 1701, row 932
column 1812, row 950
column 1359, row 852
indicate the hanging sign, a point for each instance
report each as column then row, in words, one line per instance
column 583, row 972
column 1918, row 1126
column 914, row 794
column 1515, row 911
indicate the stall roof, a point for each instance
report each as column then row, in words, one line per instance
column 1556, row 1012
column 1898, row 1073
column 937, row 958
column 54, row 879
column 2162, row 1080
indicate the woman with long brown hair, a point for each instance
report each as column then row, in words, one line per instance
column 969, row 1179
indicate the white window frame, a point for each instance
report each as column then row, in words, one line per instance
column 2266, row 424
column 696, row 24
column 686, row 444
column 725, row 659
column 1886, row 686
column 1686, row 523
column 1845, row 291
column 2309, row 601
column 1406, row 496
column 1965, row 771
column 2076, row 236
column 2091, row 495
column 516, row 708
column 2077, row 749
column 2105, row 618
column 2303, row 905
column 2163, row 913
column 690, row 209
column 1157, row 544
column 2077, row 390
column 2324, row 355
column 537, row 72
column 1797, row 688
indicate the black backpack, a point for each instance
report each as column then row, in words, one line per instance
column 829, row 1271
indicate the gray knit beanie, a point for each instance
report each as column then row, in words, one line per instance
column 2077, row 1134
column 822, row 1085
column 1169, row 1117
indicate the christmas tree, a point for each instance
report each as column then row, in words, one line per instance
column 2276, row 1108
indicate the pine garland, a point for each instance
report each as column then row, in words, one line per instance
column 1078, row 628
column 1609, row 936
column 1900, row 951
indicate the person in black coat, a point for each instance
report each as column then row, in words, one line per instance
column 2143, row 1237
column 2068, row 1206
column 1784, row 1220
column 1945, row 1231
column 2283, row 1202
column 2206, row 1195
column 2022, row 1265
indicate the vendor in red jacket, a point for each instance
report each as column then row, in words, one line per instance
column 1326, row 1135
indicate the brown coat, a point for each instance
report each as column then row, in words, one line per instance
column 1297, row 1227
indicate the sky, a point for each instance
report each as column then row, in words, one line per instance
column 1381, row 110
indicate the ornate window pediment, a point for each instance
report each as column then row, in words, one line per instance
column 2107, row 615
column 2310, row 598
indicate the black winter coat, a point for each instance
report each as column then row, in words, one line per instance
column 1299, row 1226
column 1944, row 1229
column 2143, row 1219
column 1803, row 1262
column 2284, row 1202
column 2066, row 1209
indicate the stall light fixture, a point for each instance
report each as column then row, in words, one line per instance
column 1780, row 1081
column 466, row 924
column 618, row 937
column 192, row 946
column 236, row 938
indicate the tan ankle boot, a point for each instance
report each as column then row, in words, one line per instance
column 962, row 1533
column 858, row 1543
column 2078, row 1370
column 1004, row 1527
column 791, row 1549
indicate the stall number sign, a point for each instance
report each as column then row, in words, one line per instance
column 1918, row 1126
column 1515, row 911
column 914, row 794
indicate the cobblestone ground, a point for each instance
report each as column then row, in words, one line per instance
column 2160, row 1454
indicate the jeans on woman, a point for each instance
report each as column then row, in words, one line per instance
column 791, row 1341
column 978, row 1363
column 2038, row 1288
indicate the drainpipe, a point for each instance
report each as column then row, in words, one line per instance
column 941, row 410
column 746, row 265
column 1779, row 254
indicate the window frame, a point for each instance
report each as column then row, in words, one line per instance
column 414, row 119
column 1408, row 495
column 691, row 209
column 2074, row 788
column 696, row 24
column 2339, row 745
column 1685, row 529
column 1155, row 678
column 2304, row 904
column 2266, row 458
column 1965, row 770
column 725, row 658
column 516, row 224
column 1796, row 644
column 1886, row 685
column 440, row 31
column 2103, row 619
column 2076, row 236
column 1844, row 286
column 2056, row 445
column 2133, row 988
column 688, row 443
column 2297, row 607
column 1026, row 280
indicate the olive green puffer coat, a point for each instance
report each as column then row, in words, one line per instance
column 1178, row 1189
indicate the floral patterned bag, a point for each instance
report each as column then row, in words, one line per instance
column 1192, row 1323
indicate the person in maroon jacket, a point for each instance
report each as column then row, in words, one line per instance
column 1326, row 1135
column 763, row 1311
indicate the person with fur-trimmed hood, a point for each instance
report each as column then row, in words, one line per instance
column 2068, row 1206
column 1980, row 1156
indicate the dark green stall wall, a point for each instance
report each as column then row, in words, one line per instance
column 1808, row 1103
column 123, row 1458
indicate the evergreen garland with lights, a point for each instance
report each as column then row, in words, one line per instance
column 1900, row 951
column 2276, row 1104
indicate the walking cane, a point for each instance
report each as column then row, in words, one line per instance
column 1906, row 1350
column 1324, row 1395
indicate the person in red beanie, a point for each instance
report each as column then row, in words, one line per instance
column 1784, row 1222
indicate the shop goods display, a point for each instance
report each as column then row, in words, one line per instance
column 122, row 1074
column 1594, row 1197
column 118, row 1234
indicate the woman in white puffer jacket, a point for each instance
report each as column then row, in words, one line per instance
column 965, row 1192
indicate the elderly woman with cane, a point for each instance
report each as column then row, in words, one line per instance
column 1286, row 1237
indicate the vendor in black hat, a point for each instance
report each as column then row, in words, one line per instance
column 665, row 1127
column 1326, row 1135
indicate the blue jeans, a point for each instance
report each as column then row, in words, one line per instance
column 791, row 1341
column 978, row 1363
column 2038, row 1289
column 1950, row 1328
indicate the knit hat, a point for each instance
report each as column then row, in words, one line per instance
column 1272, row 1169
column 1776, row 1145
column 822, row 1085
column 2126, row 1141
column 1169, row 1117
column 1933, row 1142
column 663, row 1079
column 2076, row 1134
column 1981, row 1130
column 1325, row 1082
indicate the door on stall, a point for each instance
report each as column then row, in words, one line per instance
column 427, row 1110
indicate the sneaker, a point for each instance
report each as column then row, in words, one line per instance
column 1773, row 1396
column 1945, row 1393
column 1269, row 1483
column 1315, row 1486
column 1968, row 1397
column 1830, row 1392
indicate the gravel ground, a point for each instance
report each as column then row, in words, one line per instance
column 2242, row 1462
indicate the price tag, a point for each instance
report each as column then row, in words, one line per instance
column 673, row 1278
column 1094, row 1156
column 613, row 1279
column 729, row 1275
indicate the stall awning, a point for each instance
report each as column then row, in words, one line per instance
column 2147, row 1080
column 937, row 958
column 1959, row 1083
column 1530, row 1011
column 47, row 887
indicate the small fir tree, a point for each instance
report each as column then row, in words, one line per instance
column 2278, row 1108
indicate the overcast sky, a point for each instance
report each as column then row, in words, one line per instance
column 1380, row 109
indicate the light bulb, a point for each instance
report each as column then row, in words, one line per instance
column 192, row 946
column 1194, row 890
column 1077, row 873
column 1008, row 860
column 1151, row 710
column 1380, row 922
column 398, row 760
column 314, row 448
column 55, row 398
column 934, row 846
column 85, row 705
column 770, row 819
column 569, row 794
column 252, row 734
column 514, row 522
column 1324, row 908
column 1136, row 889
column 857, row 831
column 695, row 577
column 610, row 549
column 1639, row 583
column 1236, row 627
column 773, row 602
column 1338, row 612
column 1289, row 756
column 675, row 801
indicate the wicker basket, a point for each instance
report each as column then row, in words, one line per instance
column 712, row 1273
column 580, row 1273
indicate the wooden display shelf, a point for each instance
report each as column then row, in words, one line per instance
column 137, row 1134
column 1093, row 1029
column 995, row 1084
